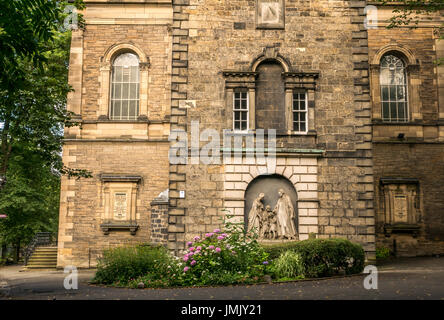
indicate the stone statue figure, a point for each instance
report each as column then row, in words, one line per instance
column 285, row 217
column 256, row 213
column 269, row 226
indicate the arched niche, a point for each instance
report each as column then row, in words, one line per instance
column 269, row 185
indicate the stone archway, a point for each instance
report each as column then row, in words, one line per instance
column 270, row 185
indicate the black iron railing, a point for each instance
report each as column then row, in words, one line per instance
column 39, row 240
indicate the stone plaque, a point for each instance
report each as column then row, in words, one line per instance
column 270, row 14
column 120, row 206
column 400, row 209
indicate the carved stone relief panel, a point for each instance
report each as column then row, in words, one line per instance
column 270, row 14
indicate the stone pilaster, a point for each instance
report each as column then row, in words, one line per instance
column 364, row 209
column 177, row 211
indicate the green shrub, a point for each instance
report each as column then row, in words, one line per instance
column 122, row 265
column 218, row 259
column 324, row 257
column 383, row 253
column 288, row 266
column 224, row 258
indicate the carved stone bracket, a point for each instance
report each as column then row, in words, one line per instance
column 107, row 227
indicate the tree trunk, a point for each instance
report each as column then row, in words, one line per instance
column 16, row 256
column 4, row 248
column 6, row 148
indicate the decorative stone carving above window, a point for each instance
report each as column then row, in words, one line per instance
column 119, row 199
column 401, row 205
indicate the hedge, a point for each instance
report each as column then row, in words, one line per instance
column 324, row 257
column 122, row 264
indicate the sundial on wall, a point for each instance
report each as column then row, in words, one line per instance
column 270, row 14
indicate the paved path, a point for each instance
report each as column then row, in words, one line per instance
column 414, row 278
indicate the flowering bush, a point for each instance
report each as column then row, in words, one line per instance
column 224, row 258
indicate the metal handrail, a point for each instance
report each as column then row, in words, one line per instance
column 40, row 239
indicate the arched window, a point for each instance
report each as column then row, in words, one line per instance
column 393, row 82
column 125, row 87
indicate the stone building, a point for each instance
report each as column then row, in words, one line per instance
column 146, row 72
column 407, row 88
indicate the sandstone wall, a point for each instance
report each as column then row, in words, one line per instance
column 211, row 36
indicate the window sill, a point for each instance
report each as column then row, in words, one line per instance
column 393, row 123
column 107, row 227
column 278, row 133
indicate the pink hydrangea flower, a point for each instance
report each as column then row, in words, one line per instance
column 218, row 250
column 224, row 235
column 196, row 238
column 216, row 230
column 189, row 243
column 199, row 248
column 211, row 247
column 193, row 262
column 220, row 238
column 186, row 269
column 192, row 249
column 185, row 258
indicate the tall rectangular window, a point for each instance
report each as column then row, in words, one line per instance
column 125, row 87
column 393, row 81
column 240, row 111
column 300, row 112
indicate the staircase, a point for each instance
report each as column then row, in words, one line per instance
column 43, row 258
column 41, row 253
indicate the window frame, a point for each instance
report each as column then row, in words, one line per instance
column 240, row 91
column 105, row 77
column 111, row 90
column 293, row 111
column 406, row 118
column 413, row 83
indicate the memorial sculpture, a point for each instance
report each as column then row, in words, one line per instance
column 273, row 224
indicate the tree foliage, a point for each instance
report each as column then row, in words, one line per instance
column 409, row 12
column 34, row 59
column 34, row 56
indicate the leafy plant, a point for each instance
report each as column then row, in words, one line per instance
column 324, row 257
column 289, row 265
column 124, row 264
column 383, row 253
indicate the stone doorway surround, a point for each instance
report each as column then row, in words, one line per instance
column 301, row 171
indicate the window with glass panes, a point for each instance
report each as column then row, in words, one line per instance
column 125, row 87
column 393, row 82
column 240, row 110
column 299, row 112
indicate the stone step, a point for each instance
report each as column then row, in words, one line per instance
column 48, row 249
column 32, row 260
column 43, row 258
